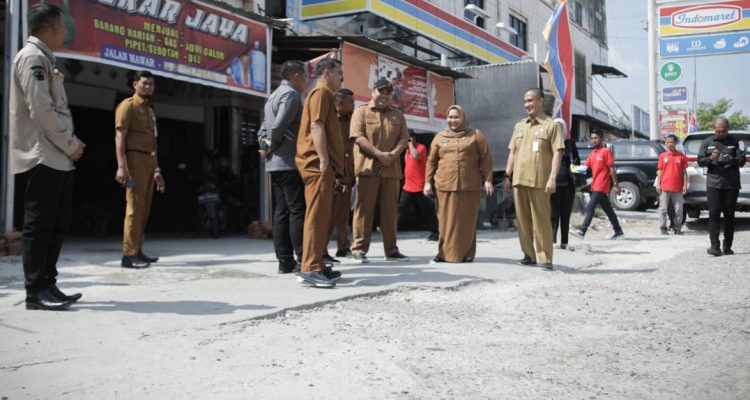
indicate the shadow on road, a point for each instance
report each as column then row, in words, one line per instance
column 385, row 276
column 187, row 307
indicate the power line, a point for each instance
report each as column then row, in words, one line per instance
column 612, row 97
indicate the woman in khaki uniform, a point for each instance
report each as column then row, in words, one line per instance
column 459, row 166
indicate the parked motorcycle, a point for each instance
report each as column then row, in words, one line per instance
column 210, row 211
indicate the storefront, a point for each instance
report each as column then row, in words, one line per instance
column 422, row 90
column 213, row 74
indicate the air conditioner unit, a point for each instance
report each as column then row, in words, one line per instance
column 476, row 10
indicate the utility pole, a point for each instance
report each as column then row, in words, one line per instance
column 7, row 192
column 653, row 107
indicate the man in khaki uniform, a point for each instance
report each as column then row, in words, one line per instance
column 380, row 134
column 535, row 153
column 43, row 150
column 320, row 161
column 137, row 166
column 342, row 196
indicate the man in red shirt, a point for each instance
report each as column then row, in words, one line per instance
column 414, row 173
column 671, row 184
column 602, row 166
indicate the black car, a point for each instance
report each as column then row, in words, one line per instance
column 636, row 163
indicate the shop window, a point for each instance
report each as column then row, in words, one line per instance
column 578, row 13
column 519, row 39
column 580, row 76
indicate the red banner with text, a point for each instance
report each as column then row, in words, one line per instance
column 181, row 39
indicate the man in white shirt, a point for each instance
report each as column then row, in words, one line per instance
column 44, row 149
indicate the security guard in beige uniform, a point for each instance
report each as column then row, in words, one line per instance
column 380, row 134
column 137, row 166
column 44, row 148
column 535, row 153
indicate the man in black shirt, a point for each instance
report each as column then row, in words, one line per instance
column 723, row 155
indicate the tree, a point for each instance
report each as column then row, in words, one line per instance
column 707, row 113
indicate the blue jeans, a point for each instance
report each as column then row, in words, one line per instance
column 600, row 198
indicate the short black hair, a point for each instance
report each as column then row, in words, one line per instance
column 344, row 93
column 42, row 16
column 723, row 119
column 597, row 132
column 326, row 65
column 538, row 92
column 673, row 137
column 143, row 74
column 289, row 68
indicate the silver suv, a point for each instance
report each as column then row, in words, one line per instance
column 695, row 199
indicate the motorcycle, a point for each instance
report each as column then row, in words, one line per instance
column 210, row 211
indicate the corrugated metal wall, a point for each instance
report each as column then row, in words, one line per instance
column 493, row 101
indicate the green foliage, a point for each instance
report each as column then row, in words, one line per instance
column 707, row 112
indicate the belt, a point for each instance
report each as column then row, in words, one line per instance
column 151, row 153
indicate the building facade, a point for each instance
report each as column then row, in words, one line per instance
column 461, row 33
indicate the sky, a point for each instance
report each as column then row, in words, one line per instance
column 718, row 76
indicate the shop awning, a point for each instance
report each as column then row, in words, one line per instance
column 606, row 71
column 597, row 123
column 303, row 47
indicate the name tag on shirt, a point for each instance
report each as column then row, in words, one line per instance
column 535, row 146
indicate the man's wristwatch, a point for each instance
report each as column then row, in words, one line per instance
column 157, row 170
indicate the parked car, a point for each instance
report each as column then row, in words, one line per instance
column 695, row 199
column 636, row 163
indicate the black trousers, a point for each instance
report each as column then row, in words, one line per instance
column 602, row 199
column 48, row 209
column 288, row 214
column 562, row 206
column 424, row 204
column 721, row 201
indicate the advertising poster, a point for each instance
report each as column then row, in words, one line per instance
column 312, row 78
column 360, row 71
column 409, row 87
column 182, row 39
column 673, row 122
column 441, row 95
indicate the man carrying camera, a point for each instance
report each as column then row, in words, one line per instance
column 723, row 155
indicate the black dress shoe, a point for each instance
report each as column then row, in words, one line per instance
column 146, row 258
column 46, row 301
column 62, row 296
column 133, row 262
column 728, row 252
column 526, row 261
column 343, row 253
column 286, row 268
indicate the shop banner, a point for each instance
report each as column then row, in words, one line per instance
column 312, row 78
column 358, row 62
column 409, row 87
column 708, row 17
column 673, row 122
column 442, row 95
column 187, row 40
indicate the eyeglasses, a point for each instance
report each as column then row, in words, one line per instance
column 385, row 90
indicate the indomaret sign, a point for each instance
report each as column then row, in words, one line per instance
column 704, row 18
column 187, row 40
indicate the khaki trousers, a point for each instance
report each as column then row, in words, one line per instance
column 137, row 200
column 534, row 222
column 341, row 209
column 316, row 231
column 372, row 190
